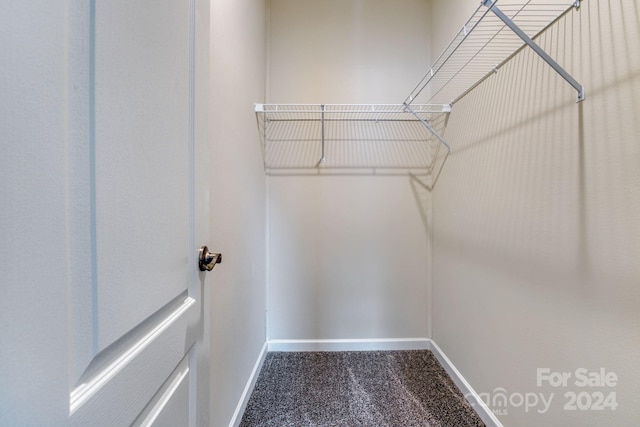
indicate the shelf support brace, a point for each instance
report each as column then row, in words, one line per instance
column 537, row 49
column 322, row 159
column 427, row 125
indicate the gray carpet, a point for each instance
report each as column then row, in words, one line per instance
column 373, row 388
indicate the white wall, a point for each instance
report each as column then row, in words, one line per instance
column 536, row 230
column 353, row 51
column 349, row 259
column 349, row 255
column 237, row 200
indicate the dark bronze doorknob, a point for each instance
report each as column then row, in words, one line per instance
column 207, row 260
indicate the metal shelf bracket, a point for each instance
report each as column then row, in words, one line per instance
column 428, row 126
column 491, row 4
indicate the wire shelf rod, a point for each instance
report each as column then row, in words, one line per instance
column 348, row 108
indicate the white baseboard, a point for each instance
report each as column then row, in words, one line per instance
column 469, row 393
column 350, row 344
column 367, row 345
column 251, row 382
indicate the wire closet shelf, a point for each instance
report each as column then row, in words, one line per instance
column 352, row 138
column 409, row 136
column 494, row 33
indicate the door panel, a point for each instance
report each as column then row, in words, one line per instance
column 123, row 380
column 146, row 312
column 170, row 406
column 142, row 160
column 104, row 320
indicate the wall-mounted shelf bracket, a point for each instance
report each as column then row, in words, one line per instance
column 446, row 108
column 323, row 159
column 491, row 4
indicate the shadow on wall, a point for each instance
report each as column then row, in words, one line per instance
column 422, row 189
column 543, row 188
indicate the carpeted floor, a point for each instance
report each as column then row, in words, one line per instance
column 373, row 388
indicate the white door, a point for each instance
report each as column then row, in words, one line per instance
column 104, row 204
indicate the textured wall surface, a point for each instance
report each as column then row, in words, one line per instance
column 536, row 231
column 349, row 255
column 237, row 200
column 348, row 259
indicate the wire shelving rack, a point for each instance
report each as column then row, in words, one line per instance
column 377, row 138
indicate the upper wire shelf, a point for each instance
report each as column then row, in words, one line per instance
column 495, row 32
column 356, row 138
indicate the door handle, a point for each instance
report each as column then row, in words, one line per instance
column 207, row 260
